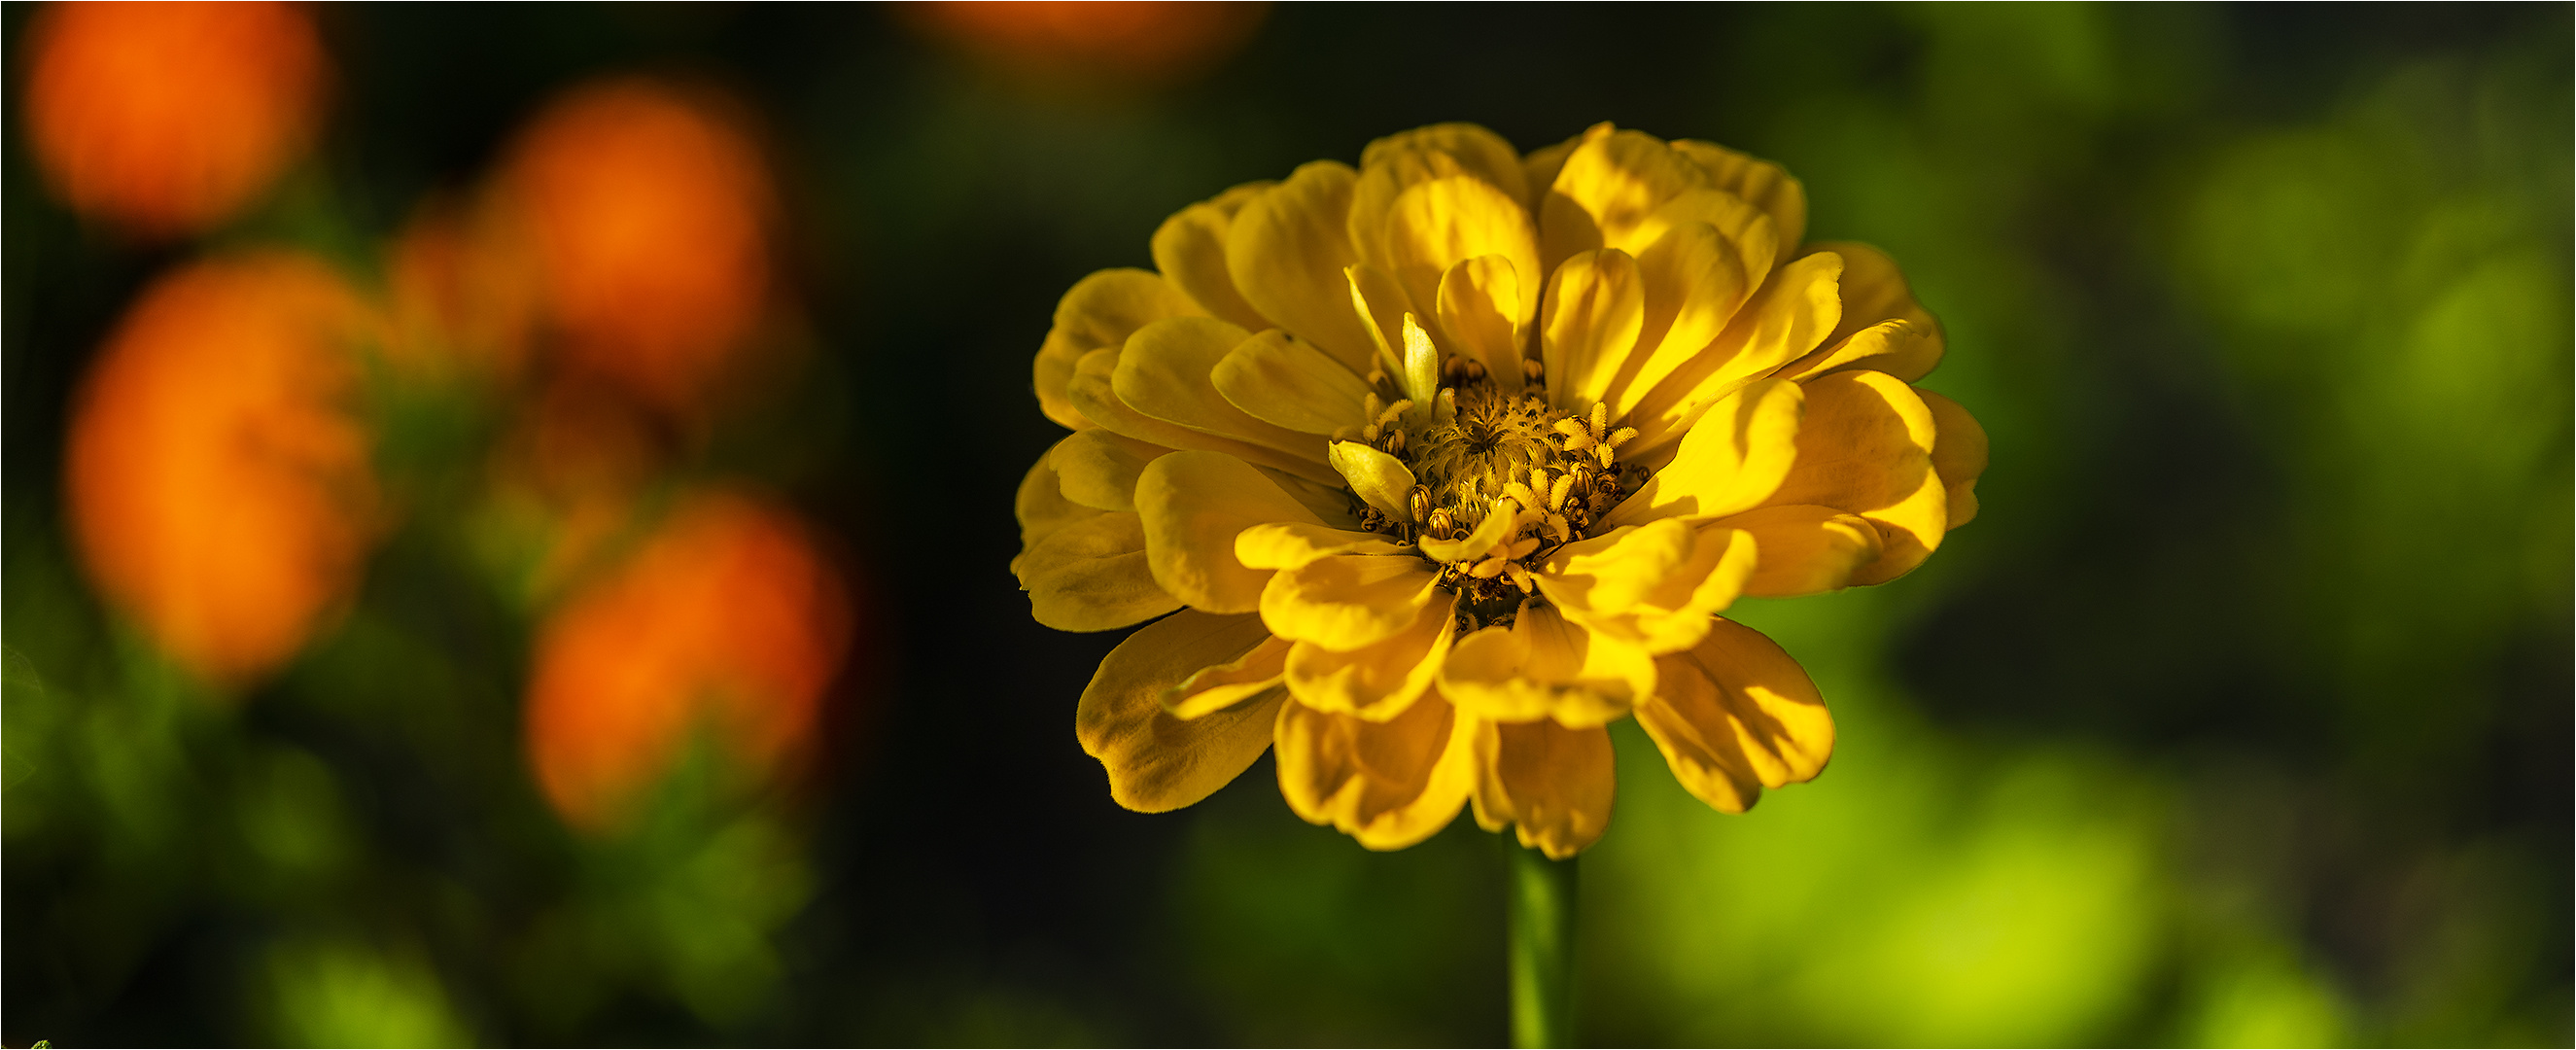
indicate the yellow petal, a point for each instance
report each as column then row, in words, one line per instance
column 1736, row 715
column 1761, row 183
column 1787, row 317
column 1288, row 544
column 1381, row 185
column 1874, row 291
column 1545, row 666
column 1422, row 361
column 1346, row 601
column 1101, row 310
column 1381, row 304
column 1284, row 382
column 1056, row 359
column 1747, row 232
column 1094, row 395
column 1693, row 284
column 1476, row 150
column 1157, row 762
column 1167, row 372
column 1041, row 506
column 1393, row 165
column 1099, row 467
column 1595, row 308
column 1556, row 783
column 1617, row 570
column 1480, row 299
column 1374, row 196
column 1193, row 504
column 1288, row 248
column 1656, row 588
column 1247, row 678
column 1092, row 575
column 1380, row 681
column 1540, row 168
column 1958, row 454
column 1443, row 222
column 1388, row 784
column 1380, row 480
column 1733, row 461
column 1607, row 187
column 1897, row 344
column 1190, row 251
column 1865, row 448
column 1329, row 503
column 1805, row 549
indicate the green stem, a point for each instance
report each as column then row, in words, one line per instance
column 1542, row 947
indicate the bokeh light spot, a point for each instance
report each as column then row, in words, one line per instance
column 727, row 616
column 167, row 118
column 219, row 481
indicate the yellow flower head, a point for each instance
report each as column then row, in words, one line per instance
column 1449, row 461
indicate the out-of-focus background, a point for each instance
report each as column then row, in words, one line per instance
column 506, row 514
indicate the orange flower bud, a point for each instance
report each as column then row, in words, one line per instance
column 219, row 486
column 727, row 617
column 1141, row 40
column 167, row 118
column 650, row 211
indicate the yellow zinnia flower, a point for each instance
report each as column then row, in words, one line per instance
column 1442, row 464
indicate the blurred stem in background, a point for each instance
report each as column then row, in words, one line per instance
column 1542, row 947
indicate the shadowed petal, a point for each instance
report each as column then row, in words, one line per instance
column 1099, row 468
column 1091, row 575
column 1544, row 666
column 1156, row 762
column 1289, row 544
column 1193, row 505
column 1874, row 293
column 1735, row 459
column 1101, row 310
column 1252, row 676
column 1595, row 307
column 1287, row 383
column 1347, row 601
column 1958, row 453
column 1789, row 316
column 1736, row 715
column 1555, row 783
column 1805, row 549
column 1865, row 448
column 1380, row 681
column 1759, row 182
column 1168, row 372
column 1288, row 249
column 1388, row 784
column 1189, row 249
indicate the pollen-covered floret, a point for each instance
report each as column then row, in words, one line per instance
column 1504, row 480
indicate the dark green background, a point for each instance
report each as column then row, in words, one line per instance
column 2240, row 716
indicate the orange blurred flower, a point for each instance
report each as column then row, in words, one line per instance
column 650, row 208
column 167, row 118
column 728, row 616
column 1138, row 39
column 220, row 488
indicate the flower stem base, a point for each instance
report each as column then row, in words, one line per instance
column 1541, row 909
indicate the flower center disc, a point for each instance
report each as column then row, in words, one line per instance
column 1503, row 480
